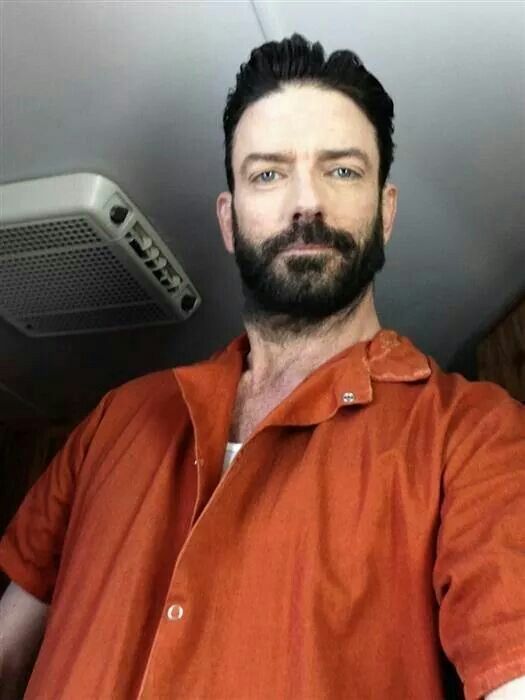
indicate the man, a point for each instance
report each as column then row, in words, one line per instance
column 317, row 510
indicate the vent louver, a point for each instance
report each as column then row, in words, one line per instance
column 77, row 256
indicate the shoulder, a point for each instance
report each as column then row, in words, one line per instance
column 452, row 410
column 153, row 393
column 440, row 397
column 159, row 383
column 481, row 425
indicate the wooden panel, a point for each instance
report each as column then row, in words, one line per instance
column 501, row 355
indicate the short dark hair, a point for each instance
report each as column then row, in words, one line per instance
column 296, row 60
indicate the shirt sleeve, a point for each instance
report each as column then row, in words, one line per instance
column 479, row 571
column 30, row 549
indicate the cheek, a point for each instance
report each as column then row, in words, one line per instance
column 261, row 218
column 354, row 213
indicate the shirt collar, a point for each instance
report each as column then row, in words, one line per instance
column 345, row 379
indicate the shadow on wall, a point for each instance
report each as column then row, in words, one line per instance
column 464, row 361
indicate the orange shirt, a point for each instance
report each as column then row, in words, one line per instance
column 374, row 517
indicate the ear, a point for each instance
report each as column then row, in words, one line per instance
column 389, row 209
column 224, row 215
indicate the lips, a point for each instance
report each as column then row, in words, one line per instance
column 306, row 247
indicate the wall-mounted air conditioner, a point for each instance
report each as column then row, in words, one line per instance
column 77, row 256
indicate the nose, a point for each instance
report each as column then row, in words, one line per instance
column 306, row 215
column 307, row 206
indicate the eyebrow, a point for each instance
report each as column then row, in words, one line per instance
column 327, row 154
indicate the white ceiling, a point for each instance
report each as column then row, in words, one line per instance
column 135, row 91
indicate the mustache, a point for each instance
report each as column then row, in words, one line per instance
column 310, row 233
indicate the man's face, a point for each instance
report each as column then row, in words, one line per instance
column 305, row 190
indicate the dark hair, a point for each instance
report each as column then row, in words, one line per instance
column 296, row 60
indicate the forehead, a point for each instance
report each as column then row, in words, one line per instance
column 303, row 119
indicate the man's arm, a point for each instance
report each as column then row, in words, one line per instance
column 513, row 690
column 480, row 568
column 22, row 624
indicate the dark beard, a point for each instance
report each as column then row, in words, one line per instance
column 301, row 294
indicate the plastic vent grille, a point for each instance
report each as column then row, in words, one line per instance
column 77, row 255
column 57, row 281
column 48, row 234
column 85, row 320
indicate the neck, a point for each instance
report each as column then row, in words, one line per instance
column 280, row 357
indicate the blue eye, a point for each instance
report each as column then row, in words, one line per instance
column 265, row 172
column 345, row 174
column 352, row 172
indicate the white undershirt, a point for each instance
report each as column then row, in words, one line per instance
column 231, row 450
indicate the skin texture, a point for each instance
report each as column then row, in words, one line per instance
column 333, row 200
column 22, row 623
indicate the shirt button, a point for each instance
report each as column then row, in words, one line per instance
column 348, row 397
column 175, row 612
